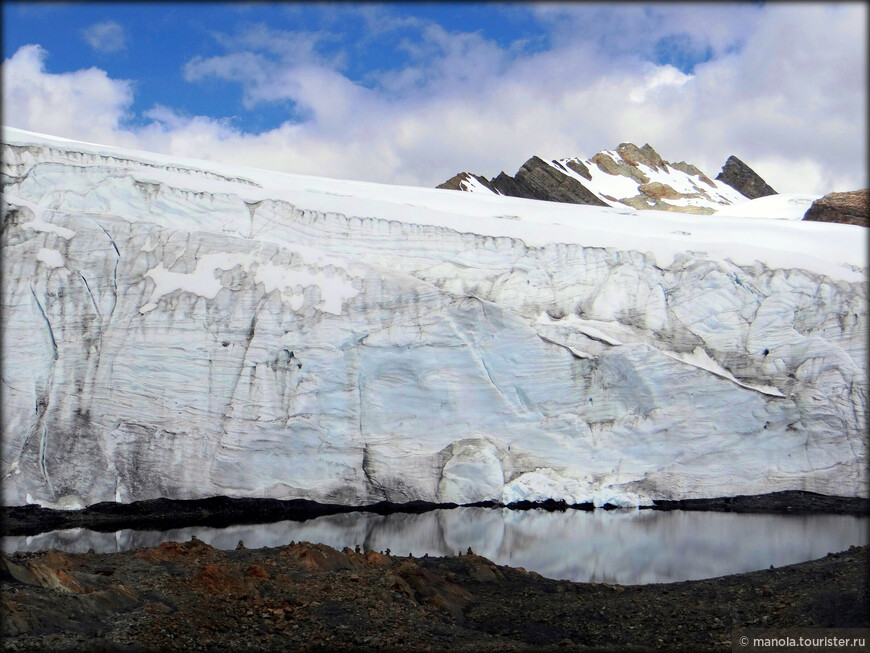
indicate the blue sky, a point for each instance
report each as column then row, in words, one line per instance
column 413, row 93
column 150, row 43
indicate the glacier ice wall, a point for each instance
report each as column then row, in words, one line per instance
column 170, row 331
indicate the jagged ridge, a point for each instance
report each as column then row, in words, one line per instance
column 632, row 176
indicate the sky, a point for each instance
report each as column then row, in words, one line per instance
column 414, row 93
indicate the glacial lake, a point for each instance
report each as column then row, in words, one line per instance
column 616, row 546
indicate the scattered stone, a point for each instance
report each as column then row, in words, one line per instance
column 194, row 597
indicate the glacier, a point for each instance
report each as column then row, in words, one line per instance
column 180, row 328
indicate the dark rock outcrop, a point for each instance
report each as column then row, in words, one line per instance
column 557, row 181
column 580, row 169
column 845, row 208
column 455, row 182
column 536, row 179
column 744, row 179
column 504, row 184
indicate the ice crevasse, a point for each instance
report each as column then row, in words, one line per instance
column 176, row 328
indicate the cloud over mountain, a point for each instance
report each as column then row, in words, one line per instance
column 782, row 84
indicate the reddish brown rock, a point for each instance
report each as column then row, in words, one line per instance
column 659, row 191
column 319, row 557
column 378, row 559
column 646, row 155
column 428, row 587
column 612, row 167
column 844, row 208
column 256, row 571
column 425, row 604
column 172, row 550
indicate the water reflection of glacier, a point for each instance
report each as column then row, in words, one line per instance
column 625, row 547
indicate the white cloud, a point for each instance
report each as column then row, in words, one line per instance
column 660, row 77
column 633, row 30
column 785, row 90
column 84, row 105
column 105, row 37
column 271, row 66
column 292, row 47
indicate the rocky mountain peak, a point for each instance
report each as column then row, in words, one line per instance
column 744, row 179
column 468, row 182
column 629, row 176
column 646, row 155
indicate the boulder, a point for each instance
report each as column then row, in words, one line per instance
column 846, row 208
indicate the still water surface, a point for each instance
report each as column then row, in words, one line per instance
column 618, row 546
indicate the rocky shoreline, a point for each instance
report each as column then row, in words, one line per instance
column 220, row 512
column 309, row 597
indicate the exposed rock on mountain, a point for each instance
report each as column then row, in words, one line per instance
column 744, row 179
column 631, row 176
column 659, row 191
column 538, row 180
column 847, row 208
column 466, row 181
column 646, row 155
column 535, row 180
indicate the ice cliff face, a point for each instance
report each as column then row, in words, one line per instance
column 185, row 329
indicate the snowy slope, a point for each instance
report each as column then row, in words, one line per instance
column 185, row 328
column 788, row 206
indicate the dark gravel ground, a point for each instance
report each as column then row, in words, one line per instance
column 309, row 597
